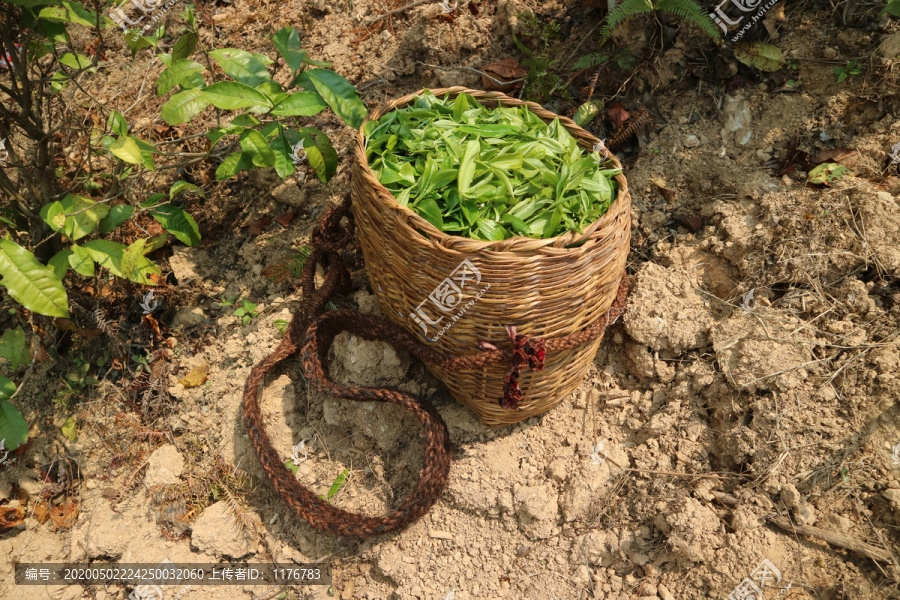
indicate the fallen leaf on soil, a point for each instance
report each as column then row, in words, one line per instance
column 67, row 325
column 285, row 219
column 257, row 227
column 617, row 115
column 692, row 224
column 844, row 156
column 10, row 517
column 760, row 55
column 828, row 173
column 587, row 112
column 154, row 326
column 667, row 192
column 63, row 515
column 36, row 350
column 507, row 69
column 197, row 376
column 154, row 228
column 41, row 512
column 891, row 183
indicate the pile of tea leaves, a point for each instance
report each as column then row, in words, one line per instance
column 488, row 174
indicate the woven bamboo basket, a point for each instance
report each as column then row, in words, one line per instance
column 545, row 287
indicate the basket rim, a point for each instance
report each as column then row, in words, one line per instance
column 420, row 226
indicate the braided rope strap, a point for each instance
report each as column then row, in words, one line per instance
column 313, row 337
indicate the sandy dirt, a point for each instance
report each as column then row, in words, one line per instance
column 755, row 374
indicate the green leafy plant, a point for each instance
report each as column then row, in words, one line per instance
column 828, row 174
column 338, row 482
column 281, row 325
column 687, row 10
column 289, row 268
column 75, row 382
column 13, row 428
column 487, row 174
column 263, row 131
column 56, row 218
column 540, row 81
column 247, row 312
column 892, row 8
column 593, row 59
column 851, row 68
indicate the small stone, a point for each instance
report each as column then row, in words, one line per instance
column 216, row 533
column 440, row 535
column 556, row 470
column 890, row 46
column 830, row 53
column 664, row 592
column 790, row 496
column 188, row 317
column 691, row 141
column 165, row 466
column 893, row 496
column 692, row 224
column 289, row 193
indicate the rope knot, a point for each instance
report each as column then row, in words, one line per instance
column 524, row 351
column 329, row 234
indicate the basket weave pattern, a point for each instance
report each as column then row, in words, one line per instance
column 546, row 288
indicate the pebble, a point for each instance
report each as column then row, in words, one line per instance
column 691, row 141
column 440, row 535
column 664, row 592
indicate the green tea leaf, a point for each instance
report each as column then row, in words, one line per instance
column 230, row 95
column 81, row 262
column 176, row 74
column 242, row 66
column 185, row 46
column 116, row 216
column 179, row 223
column 180, row 187
column 109, row 255
column 183, row 106
column 299, row 104
column 7, row 388
column 31, row 284
column 320, row 153
column 13, row 428
column 14, row 348
column 255, row 146
column 59, row 262
column 287, row 42
column 340, row 95
column 126, row 149
column 70, row 12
